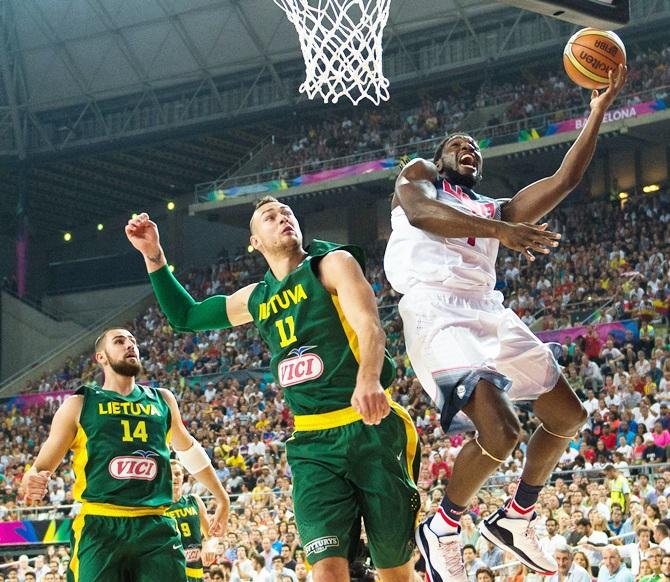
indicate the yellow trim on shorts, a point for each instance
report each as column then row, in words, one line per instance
column 412, row 437
column 352, row 338
column 77, row 526
column 328, row 420
column 109, row 510
column 195, row 572
column 412, row 442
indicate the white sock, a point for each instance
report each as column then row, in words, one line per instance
column 515, row 511
column 442, row 525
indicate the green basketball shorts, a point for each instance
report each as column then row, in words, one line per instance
column 125, row 549
column 348, row 470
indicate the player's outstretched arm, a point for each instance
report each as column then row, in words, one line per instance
column 182, row 311
column 415, row 194
column 195, row 460
column 341, row 275
column 538, row 199
column 61, row 437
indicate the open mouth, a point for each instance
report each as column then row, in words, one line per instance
column 287, row 230
column 468, row 161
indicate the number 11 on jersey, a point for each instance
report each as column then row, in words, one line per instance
column 286, row 339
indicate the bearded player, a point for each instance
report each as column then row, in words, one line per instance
column 120, row 434
column 468, row 351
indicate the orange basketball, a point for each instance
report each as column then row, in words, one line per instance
column 589, row 56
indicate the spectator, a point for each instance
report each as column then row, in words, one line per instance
column 472, row 562
column 279, row 571
column 260, row 574
column 612, row 569
column 619, row 487
column 492, row 556
column 568, row 569
column 553, row 539
column 638, row 551
column 484, row 575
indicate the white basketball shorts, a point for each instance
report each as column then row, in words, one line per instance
column 454, row 340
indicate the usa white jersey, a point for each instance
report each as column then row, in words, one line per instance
column 415, row 258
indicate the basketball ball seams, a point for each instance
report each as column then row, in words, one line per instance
column 608, row 34
column 574, row 61
column 590, row 55
column 596, row 81
column 615, row 64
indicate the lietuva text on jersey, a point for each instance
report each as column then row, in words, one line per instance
column 415, row 258
column 281, row 301
column 127, row 408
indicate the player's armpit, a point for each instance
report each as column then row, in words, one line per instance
column 238, row 305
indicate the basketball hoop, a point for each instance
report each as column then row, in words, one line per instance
column 341, row 42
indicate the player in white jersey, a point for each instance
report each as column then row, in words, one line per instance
column 470, row 352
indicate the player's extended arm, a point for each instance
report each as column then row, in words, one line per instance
column 194, row 459
column 341, row 275
column 183, row 312
column 414, row 192
column 534, row 201
column 61, row 436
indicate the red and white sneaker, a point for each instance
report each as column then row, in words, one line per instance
column 518, row 536
column 443, row 554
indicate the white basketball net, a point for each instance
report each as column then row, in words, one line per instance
column 341, row 42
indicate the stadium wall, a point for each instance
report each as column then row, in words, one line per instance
column 27, row 334
column 87, row 307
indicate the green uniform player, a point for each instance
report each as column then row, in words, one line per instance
column 191, row 516
column 120, row 434
column 353, row 453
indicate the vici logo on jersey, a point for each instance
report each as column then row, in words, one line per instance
column 142, row 466
column 192, row 554
column 303, row 366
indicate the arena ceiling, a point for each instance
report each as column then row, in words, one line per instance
column 73, row 50
column 68, row 62
column 75, row 59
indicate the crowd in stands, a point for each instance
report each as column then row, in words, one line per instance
column 386, row 127
column 612, row 265
column 607, row 251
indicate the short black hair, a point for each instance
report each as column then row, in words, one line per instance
column 440, row 147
